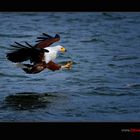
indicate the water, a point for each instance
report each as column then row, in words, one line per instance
column 104, row 83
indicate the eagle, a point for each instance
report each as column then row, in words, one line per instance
column 41, row 55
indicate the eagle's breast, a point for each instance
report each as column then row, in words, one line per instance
column 50, row 56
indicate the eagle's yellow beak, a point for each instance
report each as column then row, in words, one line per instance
column 62, row 49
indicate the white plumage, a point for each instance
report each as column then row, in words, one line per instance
column 52, row 54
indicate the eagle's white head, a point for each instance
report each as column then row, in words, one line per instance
column 59, row 48
column 52, row 54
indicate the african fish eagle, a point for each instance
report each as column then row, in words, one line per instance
column 41, row 55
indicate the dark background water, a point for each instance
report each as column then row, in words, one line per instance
column 104, row 83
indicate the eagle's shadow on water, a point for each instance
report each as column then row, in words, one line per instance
column 28, row 100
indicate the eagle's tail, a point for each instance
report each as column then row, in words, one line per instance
column 26, row 67
column 31, row 69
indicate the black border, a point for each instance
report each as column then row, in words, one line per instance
column 69, row 5
column 70, row 130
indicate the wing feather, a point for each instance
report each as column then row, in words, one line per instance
column 22, row 53
column 46, row 40
column 35, row 53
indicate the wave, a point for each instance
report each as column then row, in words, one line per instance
column 15, row 35
column 133, row 85
column 92, row 40
column 10, row 75
column 124, row 57
column 112, row 16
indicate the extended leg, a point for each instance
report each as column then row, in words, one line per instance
column 53, row 66
column 32, row 69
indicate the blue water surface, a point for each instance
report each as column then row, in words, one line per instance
column 104, row 82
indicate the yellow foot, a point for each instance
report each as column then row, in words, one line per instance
column 68, row 65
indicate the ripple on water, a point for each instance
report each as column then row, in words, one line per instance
column 93, row 40
column 124, row 57
column 106, row 91
column 14, row 75
column 15, row 35
column 133, row 85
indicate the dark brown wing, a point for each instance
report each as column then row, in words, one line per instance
column 22, row 53
column 46, row 40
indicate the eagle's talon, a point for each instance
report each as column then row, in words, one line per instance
column 68, row 65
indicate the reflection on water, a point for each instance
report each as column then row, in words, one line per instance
column 27, row 100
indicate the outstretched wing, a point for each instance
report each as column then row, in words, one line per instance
column 46, row 40
column 22, row 53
